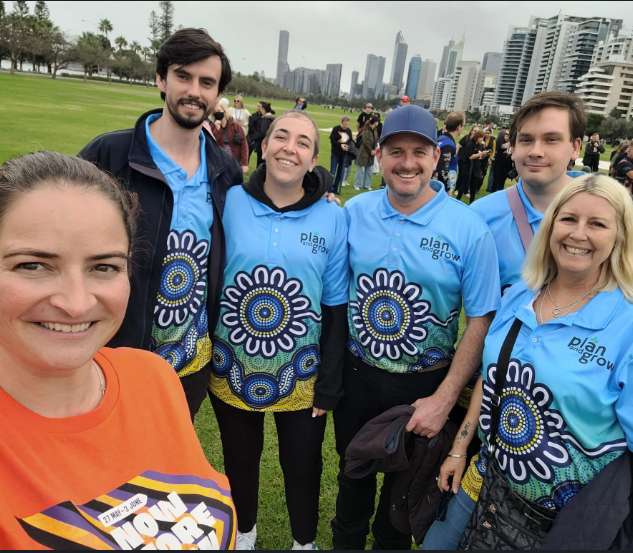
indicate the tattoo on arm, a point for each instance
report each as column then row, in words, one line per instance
column 464, row 432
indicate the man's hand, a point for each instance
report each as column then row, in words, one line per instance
column 430, row 415
column 331, row 197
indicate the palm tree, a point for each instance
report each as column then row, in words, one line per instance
column 120, row 42
column 105, row 27
column 135, row 47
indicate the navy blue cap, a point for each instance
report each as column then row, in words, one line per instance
column 411, row 119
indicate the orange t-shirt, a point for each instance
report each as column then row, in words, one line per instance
column 128, row 475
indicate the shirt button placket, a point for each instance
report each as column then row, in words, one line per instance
column 395, row 246
column 275, row 238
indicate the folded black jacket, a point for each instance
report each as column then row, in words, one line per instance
column 125, row 154
column 383, row 445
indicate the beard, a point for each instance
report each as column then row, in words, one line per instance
column 405, row 198
column 187, row 122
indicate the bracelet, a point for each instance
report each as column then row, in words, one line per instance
column 458, row 456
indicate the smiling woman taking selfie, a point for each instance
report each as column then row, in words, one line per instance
column 557, row 389
column 90, row 455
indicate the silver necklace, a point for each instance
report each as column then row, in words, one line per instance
column 101, row 383
column 556, row 313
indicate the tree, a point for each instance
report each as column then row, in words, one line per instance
column 105, row 27
column 612, row 128
column 41, row 11
column 21, row 8
column 58, row 51
column 90, row 52
column 120, row 42
column 594, row 120
column 135, row 47
column 616, row 113
column 154, row 31
column 2, row 9
column 166, row 20
column 14, row 37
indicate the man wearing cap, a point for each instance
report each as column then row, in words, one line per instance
column 416, row 256
column 404, row 101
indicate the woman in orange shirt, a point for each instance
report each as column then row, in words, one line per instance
column 97, row 449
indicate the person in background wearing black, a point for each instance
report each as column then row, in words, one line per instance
column 364, row 116
column 447, row 164
column 463, row 164
column 502, row 161
column 624, row 170
column 340, row 138
column 268, row 114
column 618, row 155
column 472, row 154
column 593, row 149
column 490, row 145
column 254, row 131
column 301, row 104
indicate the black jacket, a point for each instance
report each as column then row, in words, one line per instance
column 600, row 515
column 126, row 155
column 382, row 445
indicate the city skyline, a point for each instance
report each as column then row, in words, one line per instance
column 322, row 23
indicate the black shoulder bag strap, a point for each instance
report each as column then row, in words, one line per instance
column 500, row 378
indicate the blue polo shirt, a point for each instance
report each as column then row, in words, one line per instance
column 180, row 329
column 495, row 210
column 410, row 275
column 567, row 404
column 280, row 268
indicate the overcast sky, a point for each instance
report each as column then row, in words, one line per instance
column 331, row 32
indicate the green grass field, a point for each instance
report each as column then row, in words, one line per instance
column 64, row 115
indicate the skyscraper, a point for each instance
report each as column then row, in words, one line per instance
column 334, row 84
column 352, row 88
column 491, row 63
column 427, row 79
column 374, row 74
column 413, row 76
column 399, row 59
column 454, row 57
column 468, row 86
column 444, row 60
column 282, row 56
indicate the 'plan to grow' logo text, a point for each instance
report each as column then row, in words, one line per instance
column 314, row 241
column 590, row 351
column 438, row 248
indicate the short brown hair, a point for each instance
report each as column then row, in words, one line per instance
column 454, row 120
column 558, row 100
column 189, row 46
column 477, row 135
column 297, row 115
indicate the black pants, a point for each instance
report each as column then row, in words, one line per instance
column 195, row 386
column 501, row 175
column 368, row 393
column 300, row 440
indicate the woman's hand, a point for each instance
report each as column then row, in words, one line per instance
column 244, row 169
column 451, row 467
column 373, row 153
column 316, row 412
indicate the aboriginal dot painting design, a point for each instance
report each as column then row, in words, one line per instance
column 266, row 311
column 391, row 320
column 259, row 390
column 183, row 279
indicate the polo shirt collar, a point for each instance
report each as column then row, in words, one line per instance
column 261, row 210
column 596, row 315
column 533, row 215
column 167, row 164
column 422, row 216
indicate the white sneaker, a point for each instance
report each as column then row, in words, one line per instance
column 246, row 541
column 346, row 184
column 297, row 545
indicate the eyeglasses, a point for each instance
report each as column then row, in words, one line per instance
column 369, row 107
column 237, row 101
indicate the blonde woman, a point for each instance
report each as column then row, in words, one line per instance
column 239, row 113
column 565, row 408
column 229, row 134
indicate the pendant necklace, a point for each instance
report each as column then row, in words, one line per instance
column 558, row 311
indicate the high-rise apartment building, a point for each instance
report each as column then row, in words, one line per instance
column 441, row 93
column 509, row 65
column 374, row 74
column 399, row 59
column 334, row 71
column 442, row 72
column 413, row 76
column 609, row 82
column 282, row 56
column 468, row 87
column 491, row 63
